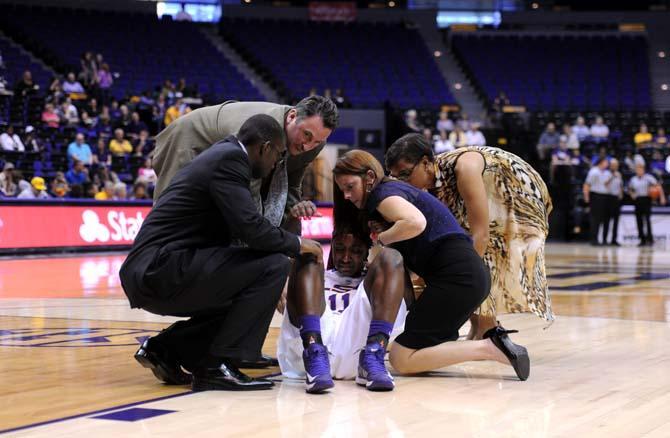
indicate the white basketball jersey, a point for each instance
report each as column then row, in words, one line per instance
column 339, row 290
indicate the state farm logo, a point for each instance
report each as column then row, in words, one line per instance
column 118, row 228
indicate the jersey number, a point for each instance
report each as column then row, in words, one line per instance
column 339, row 302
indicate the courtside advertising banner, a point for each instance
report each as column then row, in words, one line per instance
column 54, row 226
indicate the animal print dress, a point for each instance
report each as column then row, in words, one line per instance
column 519, row 207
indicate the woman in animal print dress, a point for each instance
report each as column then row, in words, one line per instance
column 503, row 203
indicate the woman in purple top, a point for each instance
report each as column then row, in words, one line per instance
column 434, row 246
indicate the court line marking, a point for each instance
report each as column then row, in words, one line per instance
column 114, row 408
column 72, row 417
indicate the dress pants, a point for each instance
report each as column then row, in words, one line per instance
column 599, row 215
column 614, row 207
column 642, row 216
column 231, row 299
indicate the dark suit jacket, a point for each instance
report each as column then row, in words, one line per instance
column 193, row 133
column 207, row 202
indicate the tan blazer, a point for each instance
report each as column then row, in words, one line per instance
column 196, row 131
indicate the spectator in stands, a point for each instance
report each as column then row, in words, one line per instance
column 560, row 157
column 104, row 126
column 340, row 99
column 104, row 174
column 25, row 86
column 661, row 139
column 657, row 165
column 101, row 156
column 77, row 175
column 602, row 153
column 21, row 183
column 411, row 121
column 86, row 120
column 185, row 89
column 548, row 142
column 146, row 173
column 458, row 138
column 50, row 117
column 56, row 93
column 143, row 145
column 168, row 90
column 629, row 162
column 31, row 141
column 119, row 145
column 475, row 136
column 10, row 141
column 92, row 108
column 182, row 15
column 328, row 94
column 139, row 192
column 569, row 137
column 580, row 129
column 595, row 193
column 105, row 82
column 639, row 188
column 599, row 131
column 89, row 70
column 124, row 119
column 68, row 113
column 614, row 198
column 428, row 135
column 8, row 185
column 59, row 186
column 99, row 60
column 36, row 190
column 464, row 122
column 79, row 150
column 175, row 111
column 120, row 192
column 107, row 193
column 643, row 138
column 500, row 102
column 72, row 85
column 136, row 125
column 442, row 144
column 146, row 102
column 444, row 123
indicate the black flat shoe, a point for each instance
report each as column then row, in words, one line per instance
column 517, row 354
column 161, row 363
column 227, row 378
column 263, row 362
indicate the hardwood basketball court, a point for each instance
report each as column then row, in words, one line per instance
column 67, row 337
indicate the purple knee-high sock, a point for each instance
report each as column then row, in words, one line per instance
column 310, row 329
column 380, row 331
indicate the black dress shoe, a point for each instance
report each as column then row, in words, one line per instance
column 227, row 378
column 517, row 354
column 263, row 362
column 164, row 366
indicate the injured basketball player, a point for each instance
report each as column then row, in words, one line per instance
column 361, row 310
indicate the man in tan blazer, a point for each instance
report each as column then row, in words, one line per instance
column 306, row 129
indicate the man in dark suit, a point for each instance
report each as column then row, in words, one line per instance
column 184, row 263
column 278, row 195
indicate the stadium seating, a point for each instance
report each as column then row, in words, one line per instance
column 143, row 50
column 560, row 72
column 372, row 63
